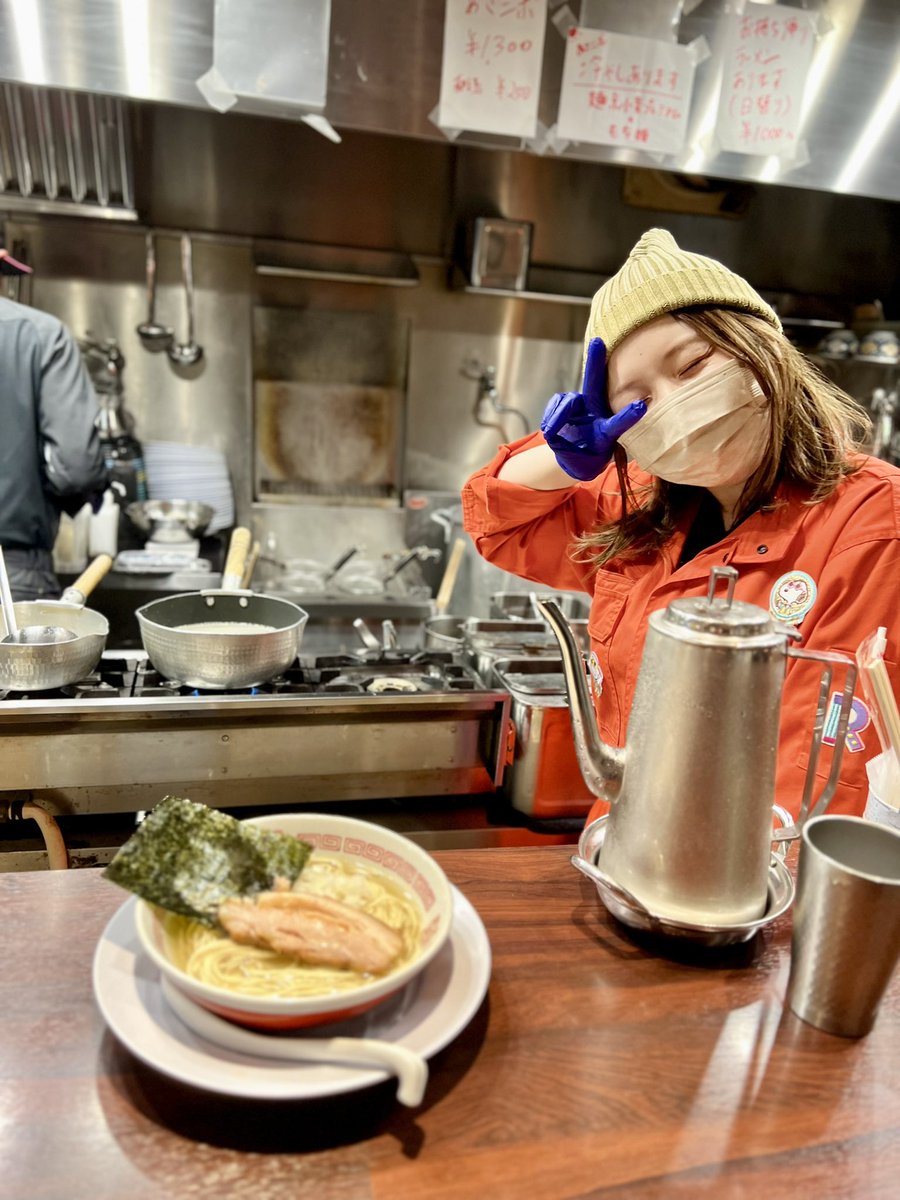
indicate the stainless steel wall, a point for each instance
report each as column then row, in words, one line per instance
column 277, row 179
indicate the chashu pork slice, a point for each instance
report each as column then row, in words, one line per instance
column 313, row 929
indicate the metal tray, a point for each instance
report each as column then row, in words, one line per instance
column 780, row 898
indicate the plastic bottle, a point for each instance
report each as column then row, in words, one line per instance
column 104, row 531
column 70, row 550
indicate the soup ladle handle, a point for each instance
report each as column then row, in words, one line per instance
column 410, row 1068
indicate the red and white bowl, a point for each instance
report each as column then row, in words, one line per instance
column 341, row 837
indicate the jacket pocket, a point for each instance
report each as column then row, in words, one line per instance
column 611, row 595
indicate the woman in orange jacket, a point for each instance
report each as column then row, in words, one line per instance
column 702, row 436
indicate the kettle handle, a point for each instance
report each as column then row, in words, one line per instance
column 807, row 807
column 730, row 577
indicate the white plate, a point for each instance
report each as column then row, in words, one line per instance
column 426, row 1016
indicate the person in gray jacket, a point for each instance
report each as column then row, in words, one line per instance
column 51, row 460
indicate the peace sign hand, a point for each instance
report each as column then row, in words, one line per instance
column 575, row 426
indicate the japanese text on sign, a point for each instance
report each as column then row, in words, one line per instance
column 619, row 90
column 491, row 72
column 766, row 65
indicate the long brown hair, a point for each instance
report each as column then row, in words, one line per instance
column 815, row 430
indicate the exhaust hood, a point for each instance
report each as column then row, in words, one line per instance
column 269, row 56
column 65, row 152
column 65, row 125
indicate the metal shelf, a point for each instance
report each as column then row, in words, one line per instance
column 337, row 264
column 512, row 294
column 550, row 285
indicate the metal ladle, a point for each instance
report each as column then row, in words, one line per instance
column 151, row 330
column 339, row 564
column 30, row 635
column 185, row 354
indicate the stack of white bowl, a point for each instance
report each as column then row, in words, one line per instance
column 179, row 472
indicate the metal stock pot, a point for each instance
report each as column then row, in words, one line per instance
column 187, row 637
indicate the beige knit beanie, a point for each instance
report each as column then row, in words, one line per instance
column 658, row 277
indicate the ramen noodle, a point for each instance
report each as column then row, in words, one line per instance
column 211, row 957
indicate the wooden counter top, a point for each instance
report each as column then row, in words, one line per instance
column 595, row 1066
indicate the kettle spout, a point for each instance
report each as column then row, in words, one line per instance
column 601, row 765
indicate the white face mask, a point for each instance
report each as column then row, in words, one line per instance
column 712, row 432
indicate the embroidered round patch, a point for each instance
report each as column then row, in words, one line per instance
column 596, row 672
column 793, row 595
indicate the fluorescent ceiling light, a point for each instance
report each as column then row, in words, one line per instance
column 876, row 127
column 135, row 17
column 30, row 43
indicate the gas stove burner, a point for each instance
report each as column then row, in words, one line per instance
column 122, row 666
column 89, row 689
column 341, row 685
column 217, row 693
column 384, row 685
column 388, row 684
column 332, row 661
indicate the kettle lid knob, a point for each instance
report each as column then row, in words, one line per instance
column 720, row 614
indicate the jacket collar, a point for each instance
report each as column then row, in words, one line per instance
column 766, row 535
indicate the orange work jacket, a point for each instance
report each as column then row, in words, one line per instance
column 832, row 569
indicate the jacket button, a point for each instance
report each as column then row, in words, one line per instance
column 762, row 549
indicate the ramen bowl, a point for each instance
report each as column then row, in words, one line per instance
column 358, row 845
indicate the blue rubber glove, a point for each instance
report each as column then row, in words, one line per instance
column 574, row 425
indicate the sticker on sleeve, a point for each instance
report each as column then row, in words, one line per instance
column 793, row 595
column 596, row 672
column 859, row 720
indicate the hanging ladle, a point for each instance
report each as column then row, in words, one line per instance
column 29, row 635
column 185, row 354
column 151, row 330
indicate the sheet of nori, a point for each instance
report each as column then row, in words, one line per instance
column 188, row 858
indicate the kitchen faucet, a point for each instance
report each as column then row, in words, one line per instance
column 488, row 395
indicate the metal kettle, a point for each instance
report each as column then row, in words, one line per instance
column 689, row 832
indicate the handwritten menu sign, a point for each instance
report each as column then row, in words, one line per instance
column 767, row 61
column 619, row 90
column 491, row 73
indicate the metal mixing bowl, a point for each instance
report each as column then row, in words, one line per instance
column 170, row 520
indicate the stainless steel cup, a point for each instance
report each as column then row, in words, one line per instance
column 846, row 934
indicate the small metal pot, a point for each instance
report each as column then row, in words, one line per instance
column 520, row 606
column 444, row 633
column 43, row 667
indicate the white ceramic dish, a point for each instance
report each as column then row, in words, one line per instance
column 425, row 1016
column 357, row 842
